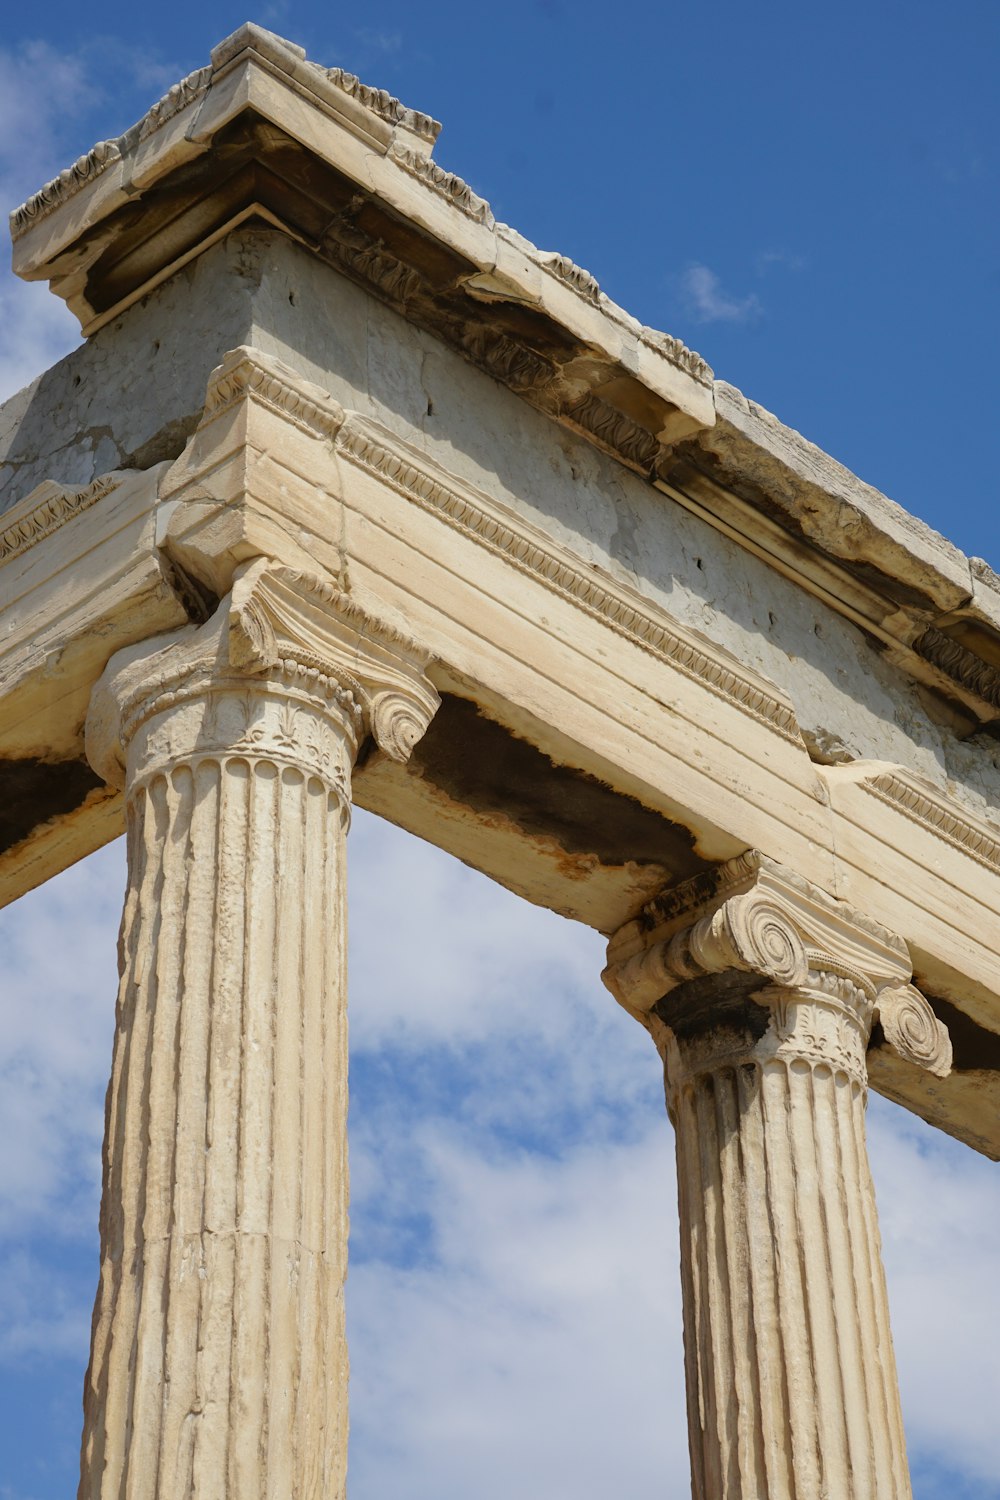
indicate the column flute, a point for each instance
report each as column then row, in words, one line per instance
column 761, row 992
column 218, row 1361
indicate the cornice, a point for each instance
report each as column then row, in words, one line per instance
column 48, row 507
column 447, row 185
column 384, row 104
column 937, row 814
column 63, row 187
column 371, row 448
column 278, row 54
column 178, row 97
column 567, row 271
column 246, row 374
column 447, row 266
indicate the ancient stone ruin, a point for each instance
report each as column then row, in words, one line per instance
column 353, row 494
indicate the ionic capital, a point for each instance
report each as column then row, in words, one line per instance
column 289, row 668
column 825, row 972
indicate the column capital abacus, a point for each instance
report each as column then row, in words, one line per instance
column 765, row 932
column 284, row 653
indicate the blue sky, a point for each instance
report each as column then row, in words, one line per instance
column 807, row 195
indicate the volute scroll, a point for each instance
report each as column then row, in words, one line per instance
column 912, row 1029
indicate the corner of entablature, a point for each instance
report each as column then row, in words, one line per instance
column 755, row 917
column 258, row 476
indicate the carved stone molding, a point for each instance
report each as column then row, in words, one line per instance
column 284, row 654
column 678, row 353
column 963, row 666
column 277, row 612
column 372, row 449
column 446, row 185
column 69, row 181
column 614, row 431
column 46, row 509
column 823, row 970
column 384, row 104
column 178, row 97
column 505, row 359
column 245, row 374
column 573, row 275
column 937, row 814
column 913, row 1030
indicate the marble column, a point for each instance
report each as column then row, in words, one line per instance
column 218, row 1363
column 760, row 992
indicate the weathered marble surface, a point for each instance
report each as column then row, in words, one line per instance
column 258, row 288
column 791, row 1377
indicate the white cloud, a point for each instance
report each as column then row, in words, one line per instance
column 56, row 1020
column 540, row 1352
column 767, row 260
column 708, row 302
column 38, row 329
column 42, row 130
column 513, row 1298
column 940, row 1215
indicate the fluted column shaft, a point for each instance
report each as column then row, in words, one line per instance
column 760, row 991
column 791, row 1378
column 219, row 1361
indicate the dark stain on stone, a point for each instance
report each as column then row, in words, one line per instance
column 168, row 443
column 481, row 764
column 718, row 1003
column 33, row 791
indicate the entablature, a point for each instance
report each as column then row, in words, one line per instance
column 593, row 746
column 590, row 749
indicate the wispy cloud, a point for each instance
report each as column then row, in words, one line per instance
column 379, row 41
column 53, row 106
column 709, row 302
column 769, row 260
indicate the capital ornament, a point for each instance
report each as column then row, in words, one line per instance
column 760, row 991
column 285, row 658
column 824, row 972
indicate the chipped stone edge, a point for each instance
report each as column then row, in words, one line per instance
column 587, row 287
column 279, row 53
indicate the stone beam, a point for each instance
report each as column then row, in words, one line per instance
column 537, row 651
column 669, row 628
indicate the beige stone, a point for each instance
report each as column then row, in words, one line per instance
column 218, row 1364
column 354, row 493
column 760, row 995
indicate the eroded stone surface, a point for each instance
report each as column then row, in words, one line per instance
column 365, row 452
